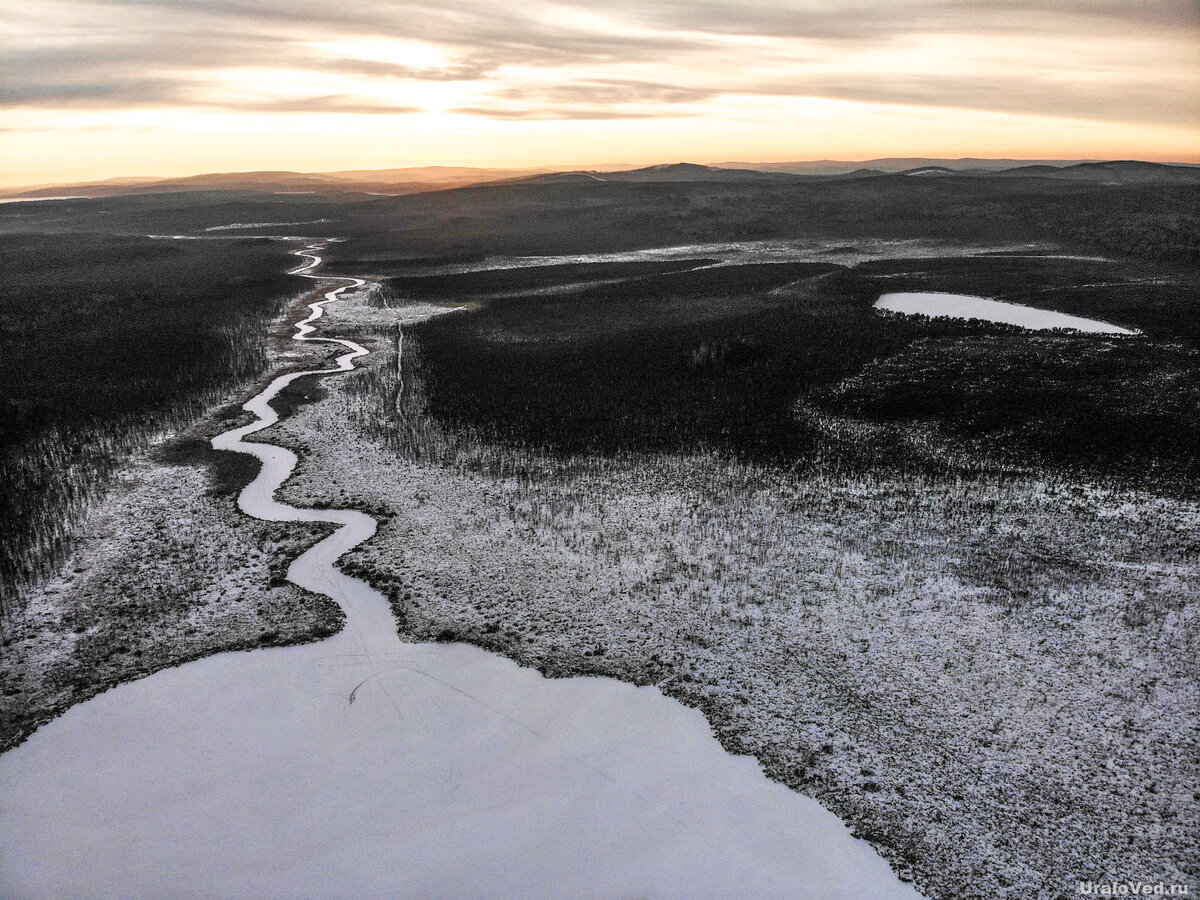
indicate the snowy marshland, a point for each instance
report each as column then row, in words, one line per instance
column 840, row 629
column 363, row 766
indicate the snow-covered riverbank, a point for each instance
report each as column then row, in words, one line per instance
column 948, row 663
column 362, row 766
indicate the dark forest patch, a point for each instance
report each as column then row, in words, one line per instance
column 658, row 365
column 107, row 341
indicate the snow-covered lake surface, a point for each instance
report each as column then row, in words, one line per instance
column 365, row 767
column 961, row 306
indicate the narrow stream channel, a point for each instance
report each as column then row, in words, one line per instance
column 365, row 767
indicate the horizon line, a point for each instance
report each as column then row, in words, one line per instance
column 150, row 179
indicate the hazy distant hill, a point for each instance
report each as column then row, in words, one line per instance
column 392, row 181
column 1120, row 172
column 691, row 172
column 420, row 179
column 897, row 164
column 430, row 174
column 1116, row 172
column 672, row 172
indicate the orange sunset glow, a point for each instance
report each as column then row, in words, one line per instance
column 95, row 89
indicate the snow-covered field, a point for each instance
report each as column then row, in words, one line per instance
column 365, row 767
column 959, row 306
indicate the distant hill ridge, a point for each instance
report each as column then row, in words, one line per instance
column 667, row 172
column 432, row 178
column 897, row 164
column 1125, row 171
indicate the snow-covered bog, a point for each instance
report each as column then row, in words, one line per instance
column 935, row 660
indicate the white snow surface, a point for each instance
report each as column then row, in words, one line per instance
column 365, row 767
column 961, row 306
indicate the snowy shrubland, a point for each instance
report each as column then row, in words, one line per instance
column 991, row 678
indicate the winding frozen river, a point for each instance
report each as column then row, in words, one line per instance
column 365, row 767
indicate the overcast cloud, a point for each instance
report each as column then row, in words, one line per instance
column 1121, row 61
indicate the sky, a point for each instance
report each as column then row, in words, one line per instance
column 93, row 89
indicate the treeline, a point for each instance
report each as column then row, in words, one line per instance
column 813, row 377
column 1120, row 409
column 613, row 369
column 1170, row 237
column 108, row 342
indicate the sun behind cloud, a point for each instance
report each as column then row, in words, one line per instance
column 98, row 88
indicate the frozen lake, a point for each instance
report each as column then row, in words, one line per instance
column 961, row 306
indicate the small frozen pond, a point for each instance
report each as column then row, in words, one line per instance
column 961, row 306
